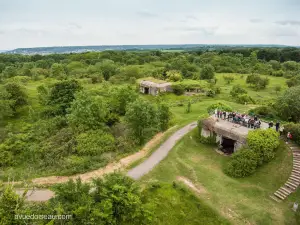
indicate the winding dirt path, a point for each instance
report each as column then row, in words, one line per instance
column 135, row 173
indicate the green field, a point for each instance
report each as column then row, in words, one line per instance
column 242, row 201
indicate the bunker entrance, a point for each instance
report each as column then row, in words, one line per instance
column 227, row 145
column 146, row 90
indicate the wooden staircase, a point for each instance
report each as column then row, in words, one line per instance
column 294, row 179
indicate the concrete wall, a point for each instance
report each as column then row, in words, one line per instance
column 219, row 138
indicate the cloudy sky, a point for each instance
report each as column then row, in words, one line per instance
column 34, row 23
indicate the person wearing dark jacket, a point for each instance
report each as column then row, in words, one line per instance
column 271, row 124
column 277, row 125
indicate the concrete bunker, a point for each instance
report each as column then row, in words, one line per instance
column 228, row 135
column 154, row 87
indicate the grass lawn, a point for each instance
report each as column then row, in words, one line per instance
column 242, row 201
column 174, row 204
column 240, row 79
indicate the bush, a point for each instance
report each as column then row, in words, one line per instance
column 94, row 143
column 257, row 82
column 244, row 98
column 219, row 106
column 263, row 111
column 264, row 143
column 242, row 163
column 210, row 93
column 237, row 90
column 228, row 78
column 178, row 89
column 279, row 73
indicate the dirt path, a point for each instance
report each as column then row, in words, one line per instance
column 135, row 173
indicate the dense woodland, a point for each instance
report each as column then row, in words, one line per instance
column 63, row 114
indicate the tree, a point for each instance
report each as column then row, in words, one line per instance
column 121, row 97
column 237, row 90
column 288, row 105
column 277, row 89
column 174, row 75
column 294, row 81
column 219, row 106
column 142, row 118
column 208, row 72
column 17, row 95
column 58, row 71
column 257, row 82
column 11, row 205
column 6, row 105
column 108, row 68
column 188, row 107
column 63, row 93
column 228, row 78
column 112, row 200
column 164, row 116
column 88, row 112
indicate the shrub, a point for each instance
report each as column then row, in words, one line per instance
column 219, row 106
column 244, row 98
column 174, row 75
column 237, row 90
column 242, row 163
column 228, row 78
column 257, row 82
column 264, row 143
column 178, row 89
column 263, row 111
column 210, row 93
column 279, row 73
column 94, row 143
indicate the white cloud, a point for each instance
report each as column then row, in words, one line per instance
column 97, row 22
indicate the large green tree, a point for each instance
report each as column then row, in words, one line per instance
column 17, row 94
column 112, row 200
column 288, row 105
column 62, row 94
column 142, row 118
column 120, row 97
column 108, row 68
column 207, row 73
column 5, row 104
column 88, row 112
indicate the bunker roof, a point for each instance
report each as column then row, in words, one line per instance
column 228, row 129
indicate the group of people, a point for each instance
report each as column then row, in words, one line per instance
column 243, row 119
column 249, row 121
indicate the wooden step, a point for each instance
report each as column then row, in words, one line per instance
column 295, row 173
column 296, row 181
column 282, row 197
column 295, row 177
column 285, row 191
column 275, row 198
column 296, row 166
column 291, row 185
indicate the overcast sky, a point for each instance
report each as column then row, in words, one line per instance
column 34, row 23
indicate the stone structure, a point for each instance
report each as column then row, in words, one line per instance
column 153, row 88
column 225, row 131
